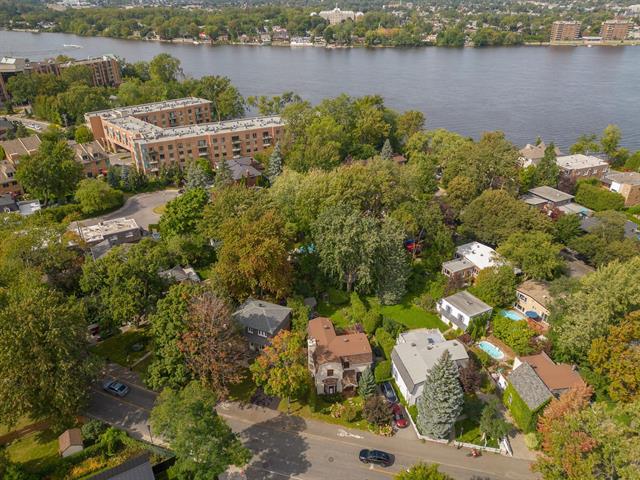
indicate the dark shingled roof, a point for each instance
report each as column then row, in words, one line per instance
column 529, row 386
column 260, row 315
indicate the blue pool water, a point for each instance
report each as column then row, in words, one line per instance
column 491, row 349
column 513, row 315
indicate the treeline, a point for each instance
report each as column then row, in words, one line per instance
column 66, row 98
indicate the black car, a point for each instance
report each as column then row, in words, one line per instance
column 389, row 393
column 376, row 457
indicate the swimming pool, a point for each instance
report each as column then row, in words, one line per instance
column 511, row 314
column 491, row 349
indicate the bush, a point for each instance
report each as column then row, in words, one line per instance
column 426, row 301
column 524, row 418
column 112, row 439
column 532, row 441
column 92, row 430
column 597, row 198
column 516, row 334
column 376, row 411
column 371, row 321
column 350, row 411
column 482, row 357
column 394, row 328
column 383, row 371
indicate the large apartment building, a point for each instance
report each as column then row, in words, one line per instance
column 564, row 31
column 615, row 30
column 173, row 131
column 105, row 70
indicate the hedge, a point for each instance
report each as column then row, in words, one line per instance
column 523, row 416
column 597, row 198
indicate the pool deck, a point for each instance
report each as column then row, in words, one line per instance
column 509, row 354
column 514, row 312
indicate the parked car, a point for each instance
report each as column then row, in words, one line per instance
column 389, row 393
column 376, row 457
column 398, row 416
column 115, row 388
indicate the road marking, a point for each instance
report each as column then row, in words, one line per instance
column 285, row 475
column 344, row 433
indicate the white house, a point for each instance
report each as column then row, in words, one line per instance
column 415, row 353
column 459, row 309
column 470, row 258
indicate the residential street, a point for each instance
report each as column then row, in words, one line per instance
column 38, row 125
column 287, row 446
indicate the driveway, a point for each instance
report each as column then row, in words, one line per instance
column 286, row 446
column 139, row 207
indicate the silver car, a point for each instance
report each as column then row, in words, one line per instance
column 115, row 388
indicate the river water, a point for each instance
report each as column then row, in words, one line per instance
column 555, row 92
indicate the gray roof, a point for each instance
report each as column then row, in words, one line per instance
column 529, row 386
column 631, row 178
column 180, row 274
column 7, row 202
column 550, row 194
column 531, row 199
column 243, row 167
column 588, row 224
column 418, row 351
column 457, row 265
column 261, row 315
column 467, row 303
column 138, row 468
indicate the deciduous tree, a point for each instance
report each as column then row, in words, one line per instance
column 205, row 446
column 515, row 334
column 376, row 411
column 423, row 471
column 281, row 368
column 96, row 195
column 535, row 253
column 492, row 425
column 212, row 345
column 496, row 286
column 182, row 214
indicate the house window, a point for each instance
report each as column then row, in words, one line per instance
column 262, row 334
column 346, row 365
column 250, row 330
column 330, row 373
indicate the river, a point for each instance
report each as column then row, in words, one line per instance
column 555, row 92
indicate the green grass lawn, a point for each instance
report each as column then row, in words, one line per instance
column 21, row 423
column 36, row 451
column 119, row 347
column 468, row 431
column 302, row 409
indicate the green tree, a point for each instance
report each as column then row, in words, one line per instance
column 45, row 366
column 566, row 228
column 598, row 199
column 273, row 105
column 547, row 172
column 281, row 368
column 604, row 297
column 387, row 150
column 226, row 99
column 496, row 214
column 492, row 425
column 441, row 400
column 535, row 253
column 274, row 169
column 410, row 123
column 168, row 325
column 164, row 68
column 77, row 74
column 205, row 446
column 392, row 263
column 367, row 384
column 496, row 286
column 423, row 471
column 460, row 192
column 52, row 172
column 196, row 175
column 376, row 411
column 224, row 176
column 515, row 334
column 610, row 140
column 254, row 256
column 586, row 144
column 83, row 134
column 182, row 214
column 95, row 195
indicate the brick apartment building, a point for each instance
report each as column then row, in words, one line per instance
column 105, row 70
column 565, row 31
column 615, row 30
column 174, row 131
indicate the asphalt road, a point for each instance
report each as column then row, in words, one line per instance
column 287, row 446
column 37, row 125
column 139, row 207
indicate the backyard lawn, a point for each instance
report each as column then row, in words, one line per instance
column 243, row 391
column 302, row 409
column 36, row 451
column 120, row 348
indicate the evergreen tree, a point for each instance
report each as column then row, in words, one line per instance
column 367, row 384
column 386, row 152
column 195, row 176
column 547, row 172
column 223, row 175
column 275, row 164
column 441, row 400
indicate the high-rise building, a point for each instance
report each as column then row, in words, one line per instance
column 174, row 131
column 336, row 15
column 565, row 31
column 615, row 30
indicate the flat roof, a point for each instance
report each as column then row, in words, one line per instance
column 226, row 126
column 533, row 200
column 97, row 232
column 481, row 255
column 148, row 107
column 457, row 265
column 628, row 178
column 577, row 161
column 574, row 208
column 551, row 194
column 467, row 303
